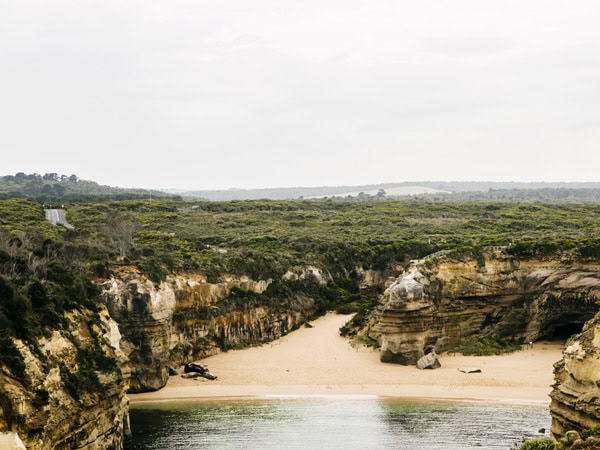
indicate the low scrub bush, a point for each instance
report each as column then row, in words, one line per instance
column 594, row 431
column 483, row 345
column 541, row 444
column 11, row 357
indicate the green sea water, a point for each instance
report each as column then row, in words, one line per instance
column 322, row 422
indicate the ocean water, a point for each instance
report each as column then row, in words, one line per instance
column 360, row 422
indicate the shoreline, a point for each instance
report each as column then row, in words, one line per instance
column 141, row 399
column 435, row 393
column 315, row 362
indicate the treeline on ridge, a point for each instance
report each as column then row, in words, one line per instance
column 52, row 187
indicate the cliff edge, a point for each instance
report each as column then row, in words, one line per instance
column 70, row 390
column 575, row 396
column 443, row 299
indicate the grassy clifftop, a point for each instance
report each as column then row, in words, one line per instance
column 263, row 238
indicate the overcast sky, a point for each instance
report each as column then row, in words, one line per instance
column 266, row 93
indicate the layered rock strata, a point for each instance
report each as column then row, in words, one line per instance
column 178, row 321
column 144, row 313
column 575, row 396
column 439, row 301
column 75, row 395
column 185, row 318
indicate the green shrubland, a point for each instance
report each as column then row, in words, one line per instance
column 484, row 345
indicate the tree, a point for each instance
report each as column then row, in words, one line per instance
column 50, row 177
column 119, row 229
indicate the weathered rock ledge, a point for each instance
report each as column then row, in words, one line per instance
column 76, row 398
column 176, row 321
column 575, row 396
column 186, row 318
column 440, row 300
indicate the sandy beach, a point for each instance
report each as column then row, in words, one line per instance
column 317, row 361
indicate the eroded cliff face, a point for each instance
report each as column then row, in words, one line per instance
column 441, row 300
column 144, row 313
column 76, row 394
column 241, row 318
column 78, row 377
column 185, row 318
column 575, row 396
column 177, row 321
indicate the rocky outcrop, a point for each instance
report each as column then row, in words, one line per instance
column 440, row 300
column 74, row 394
column 198, row 369
column 144, row 312
column 186, row 318
column 429, row 361
column 229, row 314
column 575, row 395
column 304, row 272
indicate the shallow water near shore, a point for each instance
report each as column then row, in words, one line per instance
column 334, row 423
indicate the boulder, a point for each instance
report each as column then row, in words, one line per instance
column 201, row 369
column 429, row 361
column 571, row 436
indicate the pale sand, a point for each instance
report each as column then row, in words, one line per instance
column 317, row 361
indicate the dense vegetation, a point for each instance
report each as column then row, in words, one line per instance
column 53, row 188
column 44, row 275
column 483, row 345
column 544, row 195
column 261, row 238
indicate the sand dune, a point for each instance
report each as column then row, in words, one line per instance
column 317, row 361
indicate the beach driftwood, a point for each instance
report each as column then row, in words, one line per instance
column 470, row 370
column 200, row 369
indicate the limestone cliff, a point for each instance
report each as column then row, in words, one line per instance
column 74, row 392
column 144, row 313
column 576, row 394
column 440, row 300
column 185, row 318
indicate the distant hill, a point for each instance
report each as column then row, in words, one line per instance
column 52, row 187
column 531, row 195
column 293, row 193
column 426, row 190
